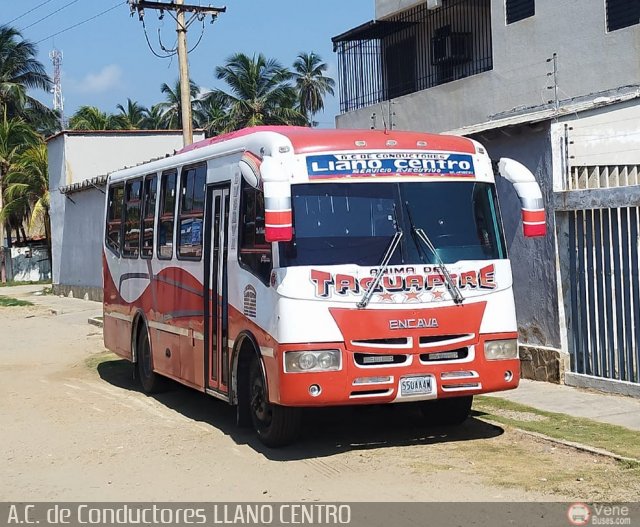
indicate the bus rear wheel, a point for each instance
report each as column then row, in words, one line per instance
column 151, row 382
column 449, row 412
column 275, row 425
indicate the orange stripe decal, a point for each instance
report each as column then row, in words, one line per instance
column 533, row 216
column 279, row 217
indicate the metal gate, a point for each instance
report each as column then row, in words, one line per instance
column 604, row 324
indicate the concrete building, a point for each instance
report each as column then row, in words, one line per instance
column 554, row 84
column 79, row 162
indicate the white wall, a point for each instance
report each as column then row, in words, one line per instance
column 385, row 8
column 610, row 136
column 77, row 218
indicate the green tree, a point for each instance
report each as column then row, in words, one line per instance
column 19, row 72
column 26, row 191
column 92, row 118
column 131, row 117
column 172, row 106
column 259, row 92
column 312, row 83
column 154, row 118
column 211, row 113
column 15, row 137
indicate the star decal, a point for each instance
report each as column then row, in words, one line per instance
column 412, row 296
column 385, row 297
column 437, row 295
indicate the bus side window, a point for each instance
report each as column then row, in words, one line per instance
column 190, row 221
column 131, row 240
column 167, row 212
column 254, row 252
column 150, row 192
column 114, row 218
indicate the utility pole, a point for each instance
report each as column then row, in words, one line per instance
column 177, row 9
column 185, row 84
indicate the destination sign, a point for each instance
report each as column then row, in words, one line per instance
column 390, row 163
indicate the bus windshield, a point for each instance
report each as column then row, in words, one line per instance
column 353, row 223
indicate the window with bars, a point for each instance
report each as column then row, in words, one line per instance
column 622, row 13
column 519, row 10
column 414, row 50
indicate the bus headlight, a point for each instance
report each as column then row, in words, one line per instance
column 501, row 349
column 320, row 360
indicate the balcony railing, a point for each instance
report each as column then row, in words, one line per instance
column 415, row 50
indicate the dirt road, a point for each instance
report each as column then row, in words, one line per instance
column 75, row 427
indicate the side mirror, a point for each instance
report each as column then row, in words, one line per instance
column 250, row 168
column 272, row 176
column 525, row 184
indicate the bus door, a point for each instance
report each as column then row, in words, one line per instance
column 215, row 289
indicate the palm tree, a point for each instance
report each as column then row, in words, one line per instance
column 27, row 189
column 211, row 113
column 259, row 93
column 154, row 118
column 92, row 118
column 131, row 117
column 45, row 123
column 172, row 106
column 312, row 83
column 19, row 72
column 15, row 137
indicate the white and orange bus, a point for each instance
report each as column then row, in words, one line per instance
column 279, row 268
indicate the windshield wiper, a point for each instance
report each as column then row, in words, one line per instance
column 422, row 236
column 391, row 249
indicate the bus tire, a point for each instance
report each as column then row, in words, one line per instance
column 275, row 425
column 448, row 412
column 151, row 382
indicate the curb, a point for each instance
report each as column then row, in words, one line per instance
column 570, row 444
column 95, row 321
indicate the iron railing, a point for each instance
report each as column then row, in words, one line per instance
column 415, row 50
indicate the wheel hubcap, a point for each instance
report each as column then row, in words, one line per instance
column 259, row 405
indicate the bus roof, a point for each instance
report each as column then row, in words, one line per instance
column 308, row 140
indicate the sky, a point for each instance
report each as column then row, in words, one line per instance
column 107, row 60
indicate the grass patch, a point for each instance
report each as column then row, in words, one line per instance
column 94, row 361
column 7, row 301
column 12, row 283
column 616, row 439
column 515, row 460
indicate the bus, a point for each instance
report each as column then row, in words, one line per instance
column 278, row 268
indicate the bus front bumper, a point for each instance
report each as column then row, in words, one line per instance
column 412, row 380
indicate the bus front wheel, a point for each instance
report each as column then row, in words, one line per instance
column 276, row 425
column 449, row 412
column 151, row 382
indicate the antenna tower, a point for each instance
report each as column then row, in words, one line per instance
column 58, row 100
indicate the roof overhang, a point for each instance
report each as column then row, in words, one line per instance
column 547, row 112
column 97, row 182
column 372, row 30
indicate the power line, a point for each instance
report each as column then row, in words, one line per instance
column 50, row 14
column 177, row 10
column 118, row 4
column 29, row 12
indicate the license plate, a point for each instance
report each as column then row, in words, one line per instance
column 416, row 385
